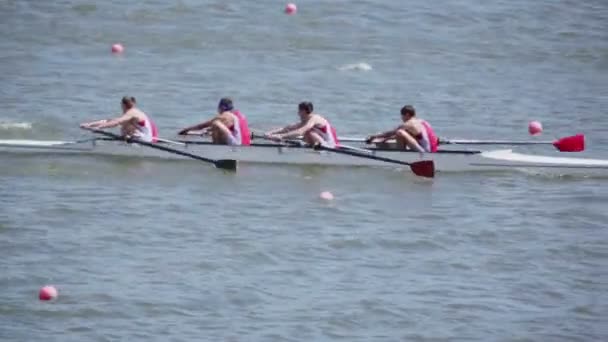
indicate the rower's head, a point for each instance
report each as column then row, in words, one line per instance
column 127, row 103
column 305, row 109
column 225, row 105
column 407, row 112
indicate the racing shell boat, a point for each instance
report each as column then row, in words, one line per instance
column 445, row 161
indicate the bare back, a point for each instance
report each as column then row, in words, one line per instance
column 316, row 120
column 413, row 126
column 132, row 125
column 227, row 118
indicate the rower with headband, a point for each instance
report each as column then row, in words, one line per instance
column 227, row 127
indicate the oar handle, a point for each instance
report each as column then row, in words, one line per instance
column 198, row 133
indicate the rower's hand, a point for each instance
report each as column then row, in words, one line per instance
column 183, row 132
column 369, row 139
column 273, row 137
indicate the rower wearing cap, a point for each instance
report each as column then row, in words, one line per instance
column 413, row 133
column 133, row 122
column 228, row 127
column 314, row 128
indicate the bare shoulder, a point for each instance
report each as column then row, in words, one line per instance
column 135, row 113
column 318, row 118
column 226, row 117
column 409, row 124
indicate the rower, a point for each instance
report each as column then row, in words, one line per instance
column 228, row 127
column 314, row 128
column 413, row 133
column 133, row 122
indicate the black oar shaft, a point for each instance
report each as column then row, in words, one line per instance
column 156, row 146
column 493, row 142
column 424, row 168
column 218, row 163
column 362, row 155
column 347, row 150
column 288, row 142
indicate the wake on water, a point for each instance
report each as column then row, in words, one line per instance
column 362, row 66
column 5, row 125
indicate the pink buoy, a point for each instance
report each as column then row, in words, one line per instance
column 291, row 9
column 535, row 128
column 117, row 48
column 326, row 195
column 48, row 293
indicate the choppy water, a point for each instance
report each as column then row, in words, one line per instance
column 177, row 251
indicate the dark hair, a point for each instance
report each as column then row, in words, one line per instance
column 408, row 110
column 306, row 107
column 128, row 101
column 225, row 104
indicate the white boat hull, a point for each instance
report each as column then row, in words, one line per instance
column 445, row 161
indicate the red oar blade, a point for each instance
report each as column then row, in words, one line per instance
column 424, row 168
column 575, row 143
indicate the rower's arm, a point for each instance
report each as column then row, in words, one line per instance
column 115, row 122
column 284, row 129
column 298, row 131
column 198, row 127
column 384, row 135
column 93, row 124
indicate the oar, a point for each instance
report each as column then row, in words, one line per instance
column 300, row 143
column 575, row 143
column 424, row 168
column 172, row 142
column 288, row 142
column 226, row 164
column 198, row 133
